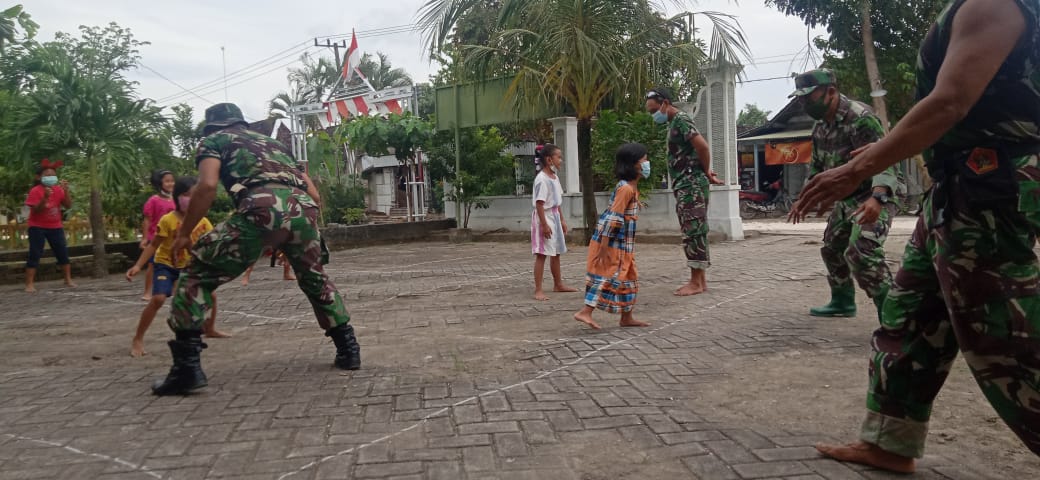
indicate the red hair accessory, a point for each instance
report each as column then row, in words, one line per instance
column 49, row 164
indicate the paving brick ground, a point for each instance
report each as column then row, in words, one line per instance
column 466, row 377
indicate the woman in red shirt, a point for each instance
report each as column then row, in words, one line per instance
column 46, row 199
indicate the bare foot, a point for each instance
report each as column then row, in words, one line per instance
column 30, row 289
column 632, row 322
column 540, row 295
column 868, row 454
column 245, row 282
column 70, row 284
column 216, row 334
column 137, row 349
column 586, row 319
column 290, row 277
column 146, row 298
column 690, row 289
column 564, row 288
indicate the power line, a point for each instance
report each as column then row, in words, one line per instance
column 764, row 79
column 241, row 72
column 182, row 87
column 218, row 88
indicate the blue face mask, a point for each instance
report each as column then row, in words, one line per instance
column 646, row 169
column 49, row 180
column 660, row 116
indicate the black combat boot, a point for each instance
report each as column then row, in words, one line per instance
column 348, row 352
column 186, row 373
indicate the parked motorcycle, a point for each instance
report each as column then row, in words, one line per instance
column 769, row 200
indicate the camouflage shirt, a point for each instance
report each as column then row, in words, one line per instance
column 854, row 126
column 1009, row 109
column 249, row 159
column 683, row 162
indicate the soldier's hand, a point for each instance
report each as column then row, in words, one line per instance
column 180, row 244
column 868, row 212
column 822, row 191
column 714, row 179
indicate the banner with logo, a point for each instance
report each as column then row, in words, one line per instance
column 789, row 153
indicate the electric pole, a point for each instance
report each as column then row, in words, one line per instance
column 335, row 49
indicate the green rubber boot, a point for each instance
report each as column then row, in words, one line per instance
column 842, row 304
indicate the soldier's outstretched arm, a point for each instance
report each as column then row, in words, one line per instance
column 984, row 33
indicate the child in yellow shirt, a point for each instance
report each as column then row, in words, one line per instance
column 167, row 268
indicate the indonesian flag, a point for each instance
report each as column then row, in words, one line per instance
column 353, row 59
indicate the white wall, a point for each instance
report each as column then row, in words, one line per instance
column 381, row 190
column 514, row 213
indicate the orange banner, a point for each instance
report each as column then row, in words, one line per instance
column 788, row 153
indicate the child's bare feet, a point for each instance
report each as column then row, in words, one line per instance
column 214, row 333
column 288, row 277
column 540, row 295
column 586, row 318
column 627, row 320
column 146, row 298
column 245, row 282
column 137, row 348
column 70, row 284
column 30, row 289
column 563, row 288
column 690, row 289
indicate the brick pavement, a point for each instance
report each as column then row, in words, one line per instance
column 466, row 377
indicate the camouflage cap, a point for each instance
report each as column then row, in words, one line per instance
column 808, row 81
column 222, row 115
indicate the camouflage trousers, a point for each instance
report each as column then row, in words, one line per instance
column 270, row 217
column 691, row 206
column 851, row 250
column 971, row 285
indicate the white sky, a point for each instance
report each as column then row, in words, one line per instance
column 186, row 38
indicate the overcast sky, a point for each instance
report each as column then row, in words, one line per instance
column 268, row 37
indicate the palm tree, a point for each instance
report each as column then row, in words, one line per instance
column 91, row 118
column 10, row 20
column 381, row 74
column 582, row 52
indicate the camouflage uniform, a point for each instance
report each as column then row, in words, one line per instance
column 850, row 249
column 690, row 186
column 273, row 211
column 970, row 280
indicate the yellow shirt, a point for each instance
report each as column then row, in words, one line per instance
column 166, row 230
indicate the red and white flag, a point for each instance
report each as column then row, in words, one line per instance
column 353, row 60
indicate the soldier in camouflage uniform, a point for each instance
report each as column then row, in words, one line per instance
column 272, row 211
column 854, row 241
column 970, row 280
column 689, row 164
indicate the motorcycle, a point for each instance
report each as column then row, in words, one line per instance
column 766, row 202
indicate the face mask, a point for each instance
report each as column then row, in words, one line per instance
column 554, row 169
column 818, row 109
column 49, row 180
column 660, row 116
column 646, row 169
column 164, row 193
column 182, row 202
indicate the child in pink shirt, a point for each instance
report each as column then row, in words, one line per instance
column 158, row 205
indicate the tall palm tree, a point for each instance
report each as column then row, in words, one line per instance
column 11, row 20
column 381, row 73
column 582, row 52
column 91, row 118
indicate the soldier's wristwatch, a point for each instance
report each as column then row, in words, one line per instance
column 882, row 198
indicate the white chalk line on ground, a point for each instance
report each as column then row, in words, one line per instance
column 166, row 306
column 540, row 376
column 458, row 286
column 135, row 467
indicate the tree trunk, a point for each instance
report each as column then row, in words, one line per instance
column 588, row 193
column 97, row 220
column 873, row 73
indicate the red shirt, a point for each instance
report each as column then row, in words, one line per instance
column 51, row 216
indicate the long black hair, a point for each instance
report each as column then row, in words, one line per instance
column 626, row 161
column 180, row 187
